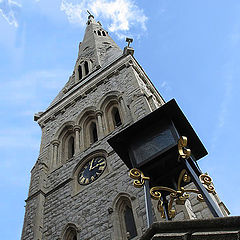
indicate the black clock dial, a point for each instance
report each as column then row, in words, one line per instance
column 92, row 170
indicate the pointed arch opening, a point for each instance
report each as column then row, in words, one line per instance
column 99, row 33
column 129, row 222
column 80, row 72
column 70, row 234
column 71, row 147
column 113, row 113
column 65, row 149
column 103, row 33
column 86, row 67
column 116, row 117
column 93, row 132
column 125, row 222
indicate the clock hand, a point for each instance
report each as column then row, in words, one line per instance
column 99, row 164
column 90, row 168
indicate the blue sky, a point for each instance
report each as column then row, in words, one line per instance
column 189, row 49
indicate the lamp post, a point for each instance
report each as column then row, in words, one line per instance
column 164, row 147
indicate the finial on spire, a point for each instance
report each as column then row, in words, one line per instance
column 90, row 15
column 129, row 40
column 128, row 50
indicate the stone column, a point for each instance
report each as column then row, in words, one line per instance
column 55, row 144
column 83, row 70
column 100, row 124
column 151, row 102
column 124, row 109
column 77, row 130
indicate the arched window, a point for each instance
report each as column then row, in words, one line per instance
column 86, row 67
column 80, row 72
column 71, row 147
column 125, row 225
column 66, row 148
column 70, row 234
column 99, row 33
column 116, row 117
column 112, row 113
column 103, row 33
column 93, row 132
column 129, row 223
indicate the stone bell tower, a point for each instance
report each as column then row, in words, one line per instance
column 79, row 187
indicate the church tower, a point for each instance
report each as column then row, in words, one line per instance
column 79, row 187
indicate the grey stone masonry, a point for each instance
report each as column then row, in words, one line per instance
column 106, row 85
column 227, row 228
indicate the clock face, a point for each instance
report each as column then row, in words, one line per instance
column 92, row 170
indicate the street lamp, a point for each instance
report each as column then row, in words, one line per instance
column 161, row 146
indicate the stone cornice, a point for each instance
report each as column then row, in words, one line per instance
column 35, row 195
column 49, row 192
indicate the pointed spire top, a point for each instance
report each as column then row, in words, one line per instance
column 90, row 15
column 90, row 18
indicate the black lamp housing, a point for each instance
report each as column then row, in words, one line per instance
column 150, row 144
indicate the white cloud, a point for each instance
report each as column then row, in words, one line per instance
column 121, row 15
column 74, row 12
column 8, row 9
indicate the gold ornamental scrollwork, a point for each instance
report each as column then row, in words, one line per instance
column 138, row 176
column 207, row 182
column 181, row 194
column 156, row 194
column 183, row 151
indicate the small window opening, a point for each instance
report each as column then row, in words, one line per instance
column 71, row 234
column 70, row 147
column 86, row 67
column 93, row 132
column 103, row 33
column 80, row 72
column 130, row 223
column 99, row 33
column 116, row 117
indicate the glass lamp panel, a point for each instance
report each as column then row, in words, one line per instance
column 150, row 146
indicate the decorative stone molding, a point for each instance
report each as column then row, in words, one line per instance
column 77, row 128
column 42, row 125
column 65, row 90
column 99, row 113
column 117, row 72
column 63, row 110
column 55, row 142
column 53, row 117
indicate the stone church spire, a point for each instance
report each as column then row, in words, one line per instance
column 97, row 46
column 96, row 51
